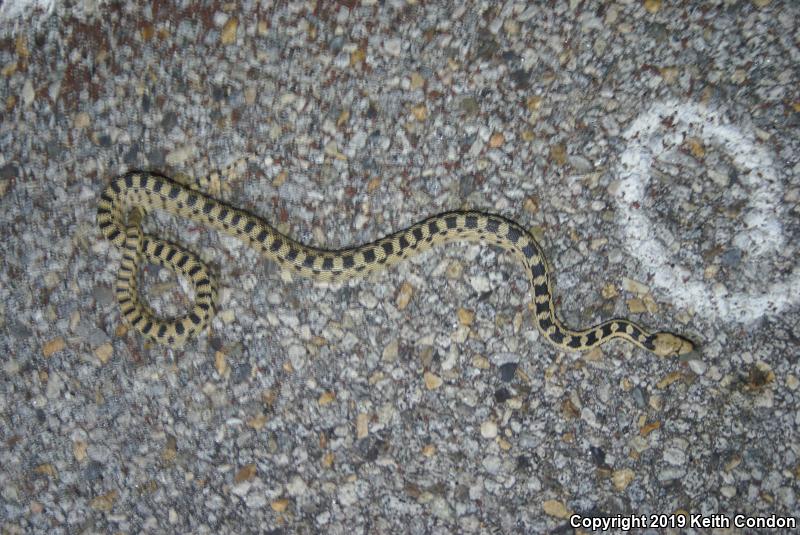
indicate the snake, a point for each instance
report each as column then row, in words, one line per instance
column 127, row 198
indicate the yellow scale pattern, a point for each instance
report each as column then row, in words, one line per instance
column 127, row 198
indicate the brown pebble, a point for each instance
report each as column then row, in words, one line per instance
column 454, row 270
column 257, row 422
column 147, row 31
column 170, row 449
column 558, row 153
column 496, row 140
column 432, row 381
column 669, row 74
column 362, row 425
column 465, row 317
column 652, row 6
column 53, row 346
column 104, row 352
column 533, row 103
column 609, row 291
column 280, row 179
column 695, row 146
column 245, row 473
column 636, row 306
column 104, row 502
column 649, row 428
column 46, row 469
column 221, row 364
column 555, row 508
column 121, row 330
column 326, row 397
column 357, row 56
column 481, row 362
column 279, row 505
column 404, row 295
column 228, row 35
column 531, row 205
column 420, row 112
column 622, row 478
column 760, row 375
column 79, row 448
column 21, row 46
column 9, row 70
column 569, row 410
column 668, row 380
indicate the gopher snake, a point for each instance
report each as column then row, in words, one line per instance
column 142, row 192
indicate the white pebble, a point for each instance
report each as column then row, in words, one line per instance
column 480, row 283
column 256, row 500
column 347, row 495
column 297, row 354
column 28, row 94
column 441, row 509
column 674, row 456
column 698, row 366
column 492, row 464
column 241, row 489
column 368, row 300
column 296, row 486
column 630, row 285
column 54, row 386
column 488, row 429
column 220, row 18
column 393, row 47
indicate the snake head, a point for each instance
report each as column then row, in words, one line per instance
column 668, row 345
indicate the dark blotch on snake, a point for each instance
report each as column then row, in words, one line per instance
column 529, row 251
column 574, row 342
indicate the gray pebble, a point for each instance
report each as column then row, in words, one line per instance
column 328, row 103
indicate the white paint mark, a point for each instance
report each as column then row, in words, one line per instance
column 763, row 232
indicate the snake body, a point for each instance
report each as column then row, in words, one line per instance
column 128, row 197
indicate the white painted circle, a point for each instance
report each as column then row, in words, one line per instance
column 762, row 236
